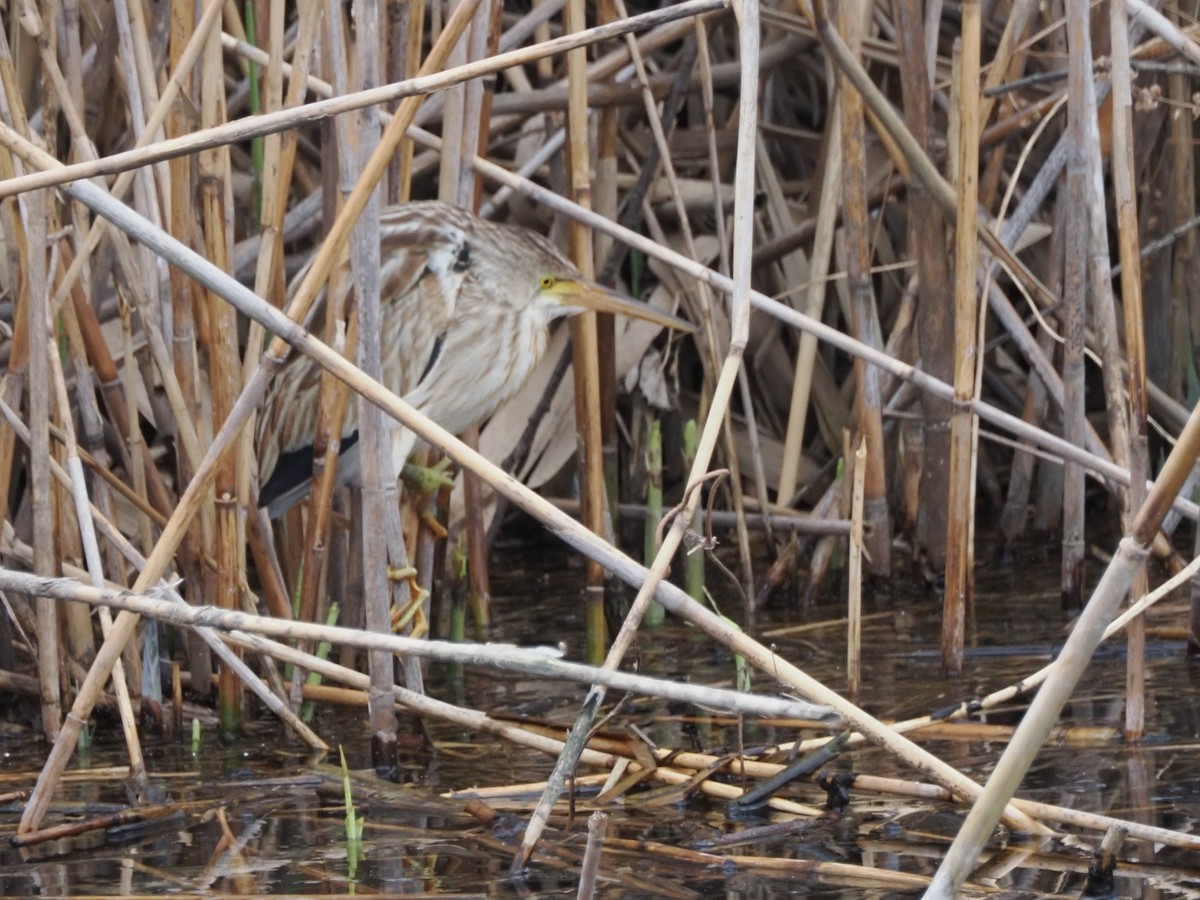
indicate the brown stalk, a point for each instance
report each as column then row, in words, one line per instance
column 661, row 128
column 185, row 301
column 928, row 243
column 76, row 623
column 1128, row 242
column 45, row 555
column 854, row 576
column 1108, row 341
column 585, row 330
column 83, row 332
column 480, row 98
column 15, row 241
column 1020, row 478
column 379, row 545
column 864, row 315
column 604, row 199
column 960, row 518
column 223, row 365
column 1074, row 300
column 331, row 413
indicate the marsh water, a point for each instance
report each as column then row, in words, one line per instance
column 262, row 818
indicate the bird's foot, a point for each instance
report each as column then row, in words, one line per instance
column 404, row 573
column 409, row 618
column 425, row 481
column 428, row 479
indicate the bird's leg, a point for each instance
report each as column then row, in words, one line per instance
column 428, row 480
column 410, row 616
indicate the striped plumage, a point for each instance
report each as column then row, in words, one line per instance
column 466, row 309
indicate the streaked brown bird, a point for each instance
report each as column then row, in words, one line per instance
column 466, row 309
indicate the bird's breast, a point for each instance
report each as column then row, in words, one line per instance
column 483, row 362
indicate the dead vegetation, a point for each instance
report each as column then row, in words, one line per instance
column 959, row 237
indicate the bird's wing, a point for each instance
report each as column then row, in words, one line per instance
column 421, row 278
column 423, row 264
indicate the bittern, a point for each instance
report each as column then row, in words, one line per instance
column 466, row 306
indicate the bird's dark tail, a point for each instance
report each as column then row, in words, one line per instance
column 292, row 478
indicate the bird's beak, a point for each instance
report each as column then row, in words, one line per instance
column 590, row 296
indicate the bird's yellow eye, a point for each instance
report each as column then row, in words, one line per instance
column 547, row 282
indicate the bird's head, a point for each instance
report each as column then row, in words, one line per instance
column 542, row 280
column 566, row 295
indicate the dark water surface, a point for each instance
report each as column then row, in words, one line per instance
column 262, row 819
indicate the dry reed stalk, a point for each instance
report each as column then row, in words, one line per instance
column 590, row 868
column 828, row 210
column 758, row 472
column 240, row 625
column 219, row 337
column 186, row 43
column 45, row 557
column 829, row 505
column 331, row 413
column 605, row 195
column 406, row 58
column 92, row 428
column 279, row 153
column 1015, row 515
column 1108, row 341
column 605, row 200
column 1008, row 63
column 1128, row 241
column 854, row 576
column 585, row 331
column 27, row 251
column 960, row 517
column 928, row 241
column 279, row 157
column 864, row 315
column 278, row 163
column 358, row 141
column 661, row 126
column 1074, row 300
column 87, row 341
